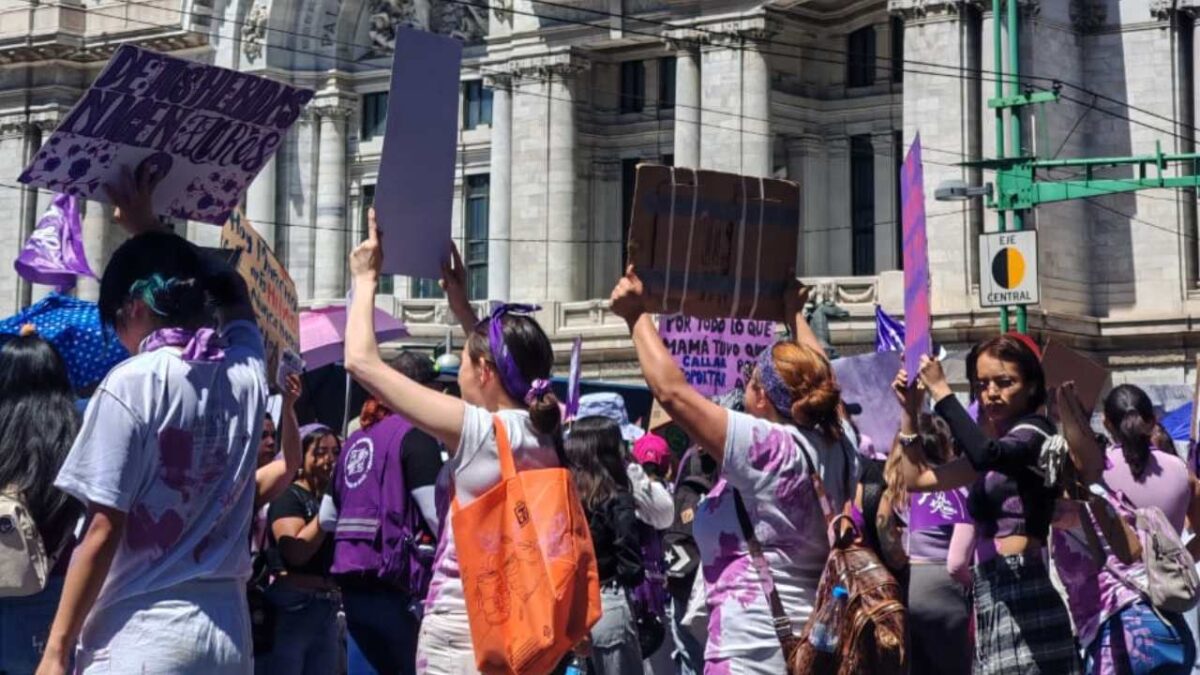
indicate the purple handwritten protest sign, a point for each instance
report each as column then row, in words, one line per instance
column 417, row 163
column 206, row 130
column 713, row 352
column 54, row 253
column 928, row 510
column 917, row 340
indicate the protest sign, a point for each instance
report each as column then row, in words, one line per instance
column 1063, row 364
column 928, row 510
column 866, row 380
column 206, row 130
column 917, row 339
column 713, row 352
column 272, row 292
column 713, row 245
column 419, row 151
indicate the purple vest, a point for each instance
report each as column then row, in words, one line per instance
column 379, row 525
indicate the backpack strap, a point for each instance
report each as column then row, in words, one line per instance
column 780, row 620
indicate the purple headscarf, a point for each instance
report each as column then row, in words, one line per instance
column 511, row 379
column 773, row 384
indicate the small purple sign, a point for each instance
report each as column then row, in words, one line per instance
column 713, row 352
column 207, row 131
column 917, row 339
column 928, row 510
column 54, row 253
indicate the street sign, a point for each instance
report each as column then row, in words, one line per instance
column 1009, row 274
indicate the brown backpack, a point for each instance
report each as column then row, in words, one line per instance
column 872, row 631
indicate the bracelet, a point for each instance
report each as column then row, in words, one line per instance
column 907, row 439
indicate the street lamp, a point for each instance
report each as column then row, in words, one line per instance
column 956, row 190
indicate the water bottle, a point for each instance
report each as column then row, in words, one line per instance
column 826, row 630
column 577, row 666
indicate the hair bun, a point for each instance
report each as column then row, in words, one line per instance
column 818, row 401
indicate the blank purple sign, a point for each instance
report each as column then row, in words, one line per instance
column 414, row 195
column 917, row 341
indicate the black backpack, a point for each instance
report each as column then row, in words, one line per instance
column 696, row 478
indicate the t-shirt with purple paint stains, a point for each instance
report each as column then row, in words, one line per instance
column 174, row 445
column 763, row 463
column 1094, row 593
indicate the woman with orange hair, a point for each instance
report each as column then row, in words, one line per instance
column 791, row 429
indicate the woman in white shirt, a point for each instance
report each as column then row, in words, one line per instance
column 505, row 371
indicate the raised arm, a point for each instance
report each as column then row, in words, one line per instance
column 794, row 302
column 271, row 480
column 438, row 414
column 918, row 475
column 704, row 422
column 454, row 283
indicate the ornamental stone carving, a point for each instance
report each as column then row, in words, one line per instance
column 254, row 33
column 465, row 22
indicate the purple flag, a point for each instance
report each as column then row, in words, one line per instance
column 54, row 254
column 572, row 406
column 927, row 510
column 917, row 340
column 889, row 333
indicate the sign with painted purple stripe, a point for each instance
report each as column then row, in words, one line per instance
column 928, row 510
column 917, row 339
column 207, row 131
column 713, row 352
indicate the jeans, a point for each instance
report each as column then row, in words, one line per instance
column 306, row 634
column 24, row 626
column 615, row 646
column 689, row 649
column 1136, row 641
column 381, row 632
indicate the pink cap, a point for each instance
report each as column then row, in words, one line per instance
column 652, row 449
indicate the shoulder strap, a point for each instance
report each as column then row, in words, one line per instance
column 508, row 468
column 781, row 621
column 817, row 483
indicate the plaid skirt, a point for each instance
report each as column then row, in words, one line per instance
column 1021, row 624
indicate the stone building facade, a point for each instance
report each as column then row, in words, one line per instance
column 562, row 98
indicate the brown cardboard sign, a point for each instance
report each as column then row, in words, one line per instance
column 711, row 244
column 1063, row 364
column 272, row 291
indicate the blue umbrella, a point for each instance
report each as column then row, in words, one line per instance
column 73, row 326
column 1178, row 422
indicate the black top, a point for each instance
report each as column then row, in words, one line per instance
column 421, row 455
column 296, row 502
column 1009, row 468
column 614, row 528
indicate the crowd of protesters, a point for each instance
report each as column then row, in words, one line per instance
column 182, row 530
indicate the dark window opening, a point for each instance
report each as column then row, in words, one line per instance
column 374, row 115
column 633, row 86
column 862, row 205
column 475, row 227
column 666, row 82
column 860, row 57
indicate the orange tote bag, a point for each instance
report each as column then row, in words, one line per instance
column 528, row 568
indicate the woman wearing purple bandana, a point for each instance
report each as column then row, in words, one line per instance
column 165, row 462
column 505, row 372
column 792, row 427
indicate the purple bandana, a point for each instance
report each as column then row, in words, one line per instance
column 203, row 345
column 777, row 390
column 510, row 375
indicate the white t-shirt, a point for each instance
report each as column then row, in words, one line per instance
column 174, row 445
column 477, row 471
column 763, row 463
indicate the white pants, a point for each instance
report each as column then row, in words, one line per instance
column 444, row 645
column 198, row 628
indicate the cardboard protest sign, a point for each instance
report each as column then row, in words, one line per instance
column 866, row 380
column 272, row 291
column 713, row 245
column 419, row 151
column 713, row 352
column 929, row 510
column 1062, row 364
column 206, row 130
column 917, row 339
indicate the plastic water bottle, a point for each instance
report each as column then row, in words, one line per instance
column 577, row 666
column 826, row 631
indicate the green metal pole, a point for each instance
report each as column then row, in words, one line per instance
column 998, row 61
column 1014, row 59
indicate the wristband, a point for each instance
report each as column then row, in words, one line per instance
column 907, row 440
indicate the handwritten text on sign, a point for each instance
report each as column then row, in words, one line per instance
column 206, row 130
column 712, row 352
column 272, row 291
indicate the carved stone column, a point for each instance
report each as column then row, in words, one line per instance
column 500, row 195
column 332, row 221
column 736, row 99
column 260, row 203
column 687, row 98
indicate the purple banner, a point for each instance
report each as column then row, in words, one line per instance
column 866, row 379
column 712, row 352
column 928, row 510
column 917, row 340
column 419, row 150
column 207, row 131
column 572, row 405
column 54, row 254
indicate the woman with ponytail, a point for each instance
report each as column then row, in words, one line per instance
column 505, row 372
column 792, row 428
column 165, row 463
column 1118, row 630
